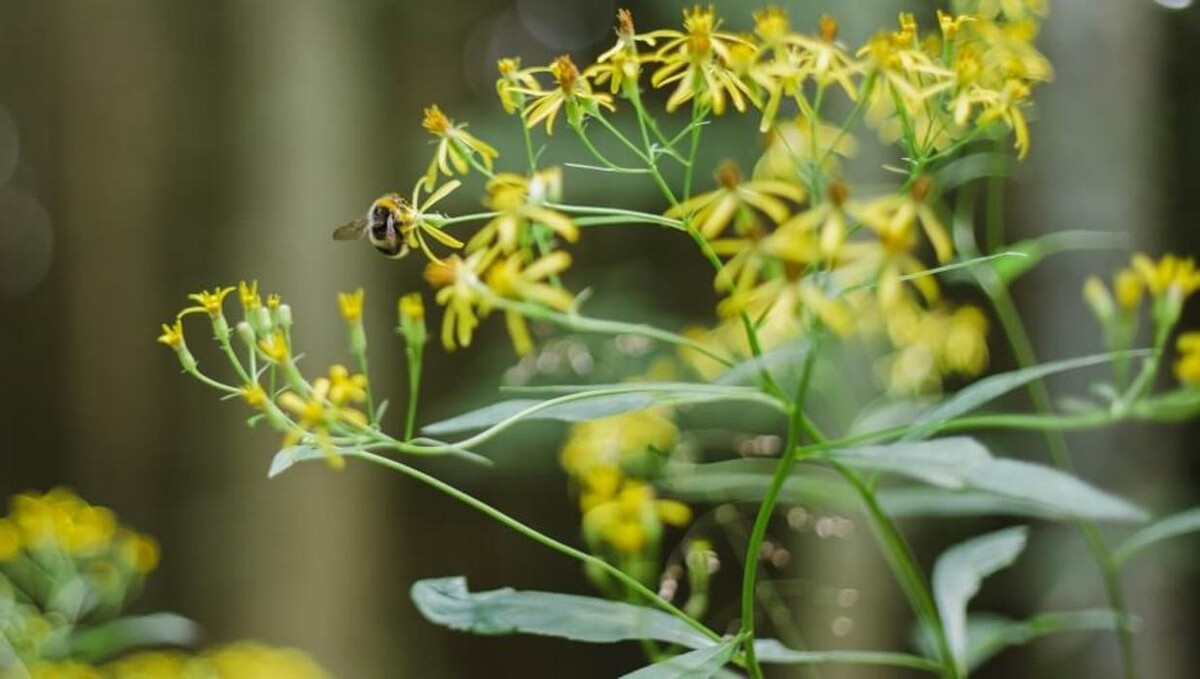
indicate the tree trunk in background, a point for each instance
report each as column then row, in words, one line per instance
column 1093, row 166
column 110, row 111
column 300, row 153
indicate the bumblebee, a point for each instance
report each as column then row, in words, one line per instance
column 386, row 226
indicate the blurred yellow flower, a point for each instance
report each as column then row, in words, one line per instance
column 456, row 147
column 209, row 302
column 1187, row 368
column 351, row 305
column 710, row 213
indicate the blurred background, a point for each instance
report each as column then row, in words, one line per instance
column 150, row 148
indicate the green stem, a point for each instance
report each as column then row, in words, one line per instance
column 539, row 537
column 767, row 509
column 579, row 323
column 1023, row 351
column 904, row 565
column 415, row 353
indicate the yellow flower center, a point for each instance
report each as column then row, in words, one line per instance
column 436, row 122
column 565, row 73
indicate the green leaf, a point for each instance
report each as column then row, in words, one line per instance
column 447, row 602
column 1176, row 406
column 784, row 364
column 109, row 639
column 995, row 386
column 1184, row 522
column 287, row 457
column 581, row 410
column 746, row 480
column 958, row 574
column 943, row 502
column 701, row 663
column 961, row 463
column 989, row 634
column 772, row 652
column 1037, row 249
column 581, row 403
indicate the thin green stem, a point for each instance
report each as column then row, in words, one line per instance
column 904, row 565
column 767, row 509
column 532, row 533
column 415, row 353
column 1023, row 351
column 579, row 323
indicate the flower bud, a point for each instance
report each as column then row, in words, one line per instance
column 283, row 316
column 246, row 334
column 1097, row 297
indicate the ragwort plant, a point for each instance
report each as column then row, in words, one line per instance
column 809, row 270
column 68, row 573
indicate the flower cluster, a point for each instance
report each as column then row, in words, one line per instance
column 240, row 660
column 67, row 565
column 1167, row 283
column 622, row 515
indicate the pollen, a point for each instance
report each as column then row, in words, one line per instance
column 565, row 73
column 436, row 122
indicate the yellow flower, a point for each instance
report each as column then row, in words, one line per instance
column 253, row 660
column 275, row 347
column 1006, row 105
column 417, row 222
column 459, row 290
column 610, row 442
column 713, row 211
column 351, row 305
column 950, row 23
column 621, row 63
column 894, row 218
column 1187, row 368
column 273, row 301
column 697, row 60
column 521, row 202
column 346, row 388
column 456, row 147
column 1170, row 276
column 248, row 294
column 254, row 396
column 1129, row 288
column 10, row 540
column 512, row 79
column 172, row 335
column 323, row 409
column 411, row 307
column 140, row 552
column 632, row 517
column 210, row 302
column 513, row 279
column 573, row 93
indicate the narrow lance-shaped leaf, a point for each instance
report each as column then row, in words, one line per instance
column 957, row 577
column 701, row 663
column 989, row 634
column 447, row 602
column 961, row 463
column 995, row 386
column 747, row 480
column 1173, row 526
column 581, row 403
column 286, row 458
column 114, row 637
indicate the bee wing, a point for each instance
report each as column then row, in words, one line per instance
column 351, row 230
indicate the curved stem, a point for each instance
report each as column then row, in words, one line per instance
column 765, row 510
column 532, row 533
column 1023, row 351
